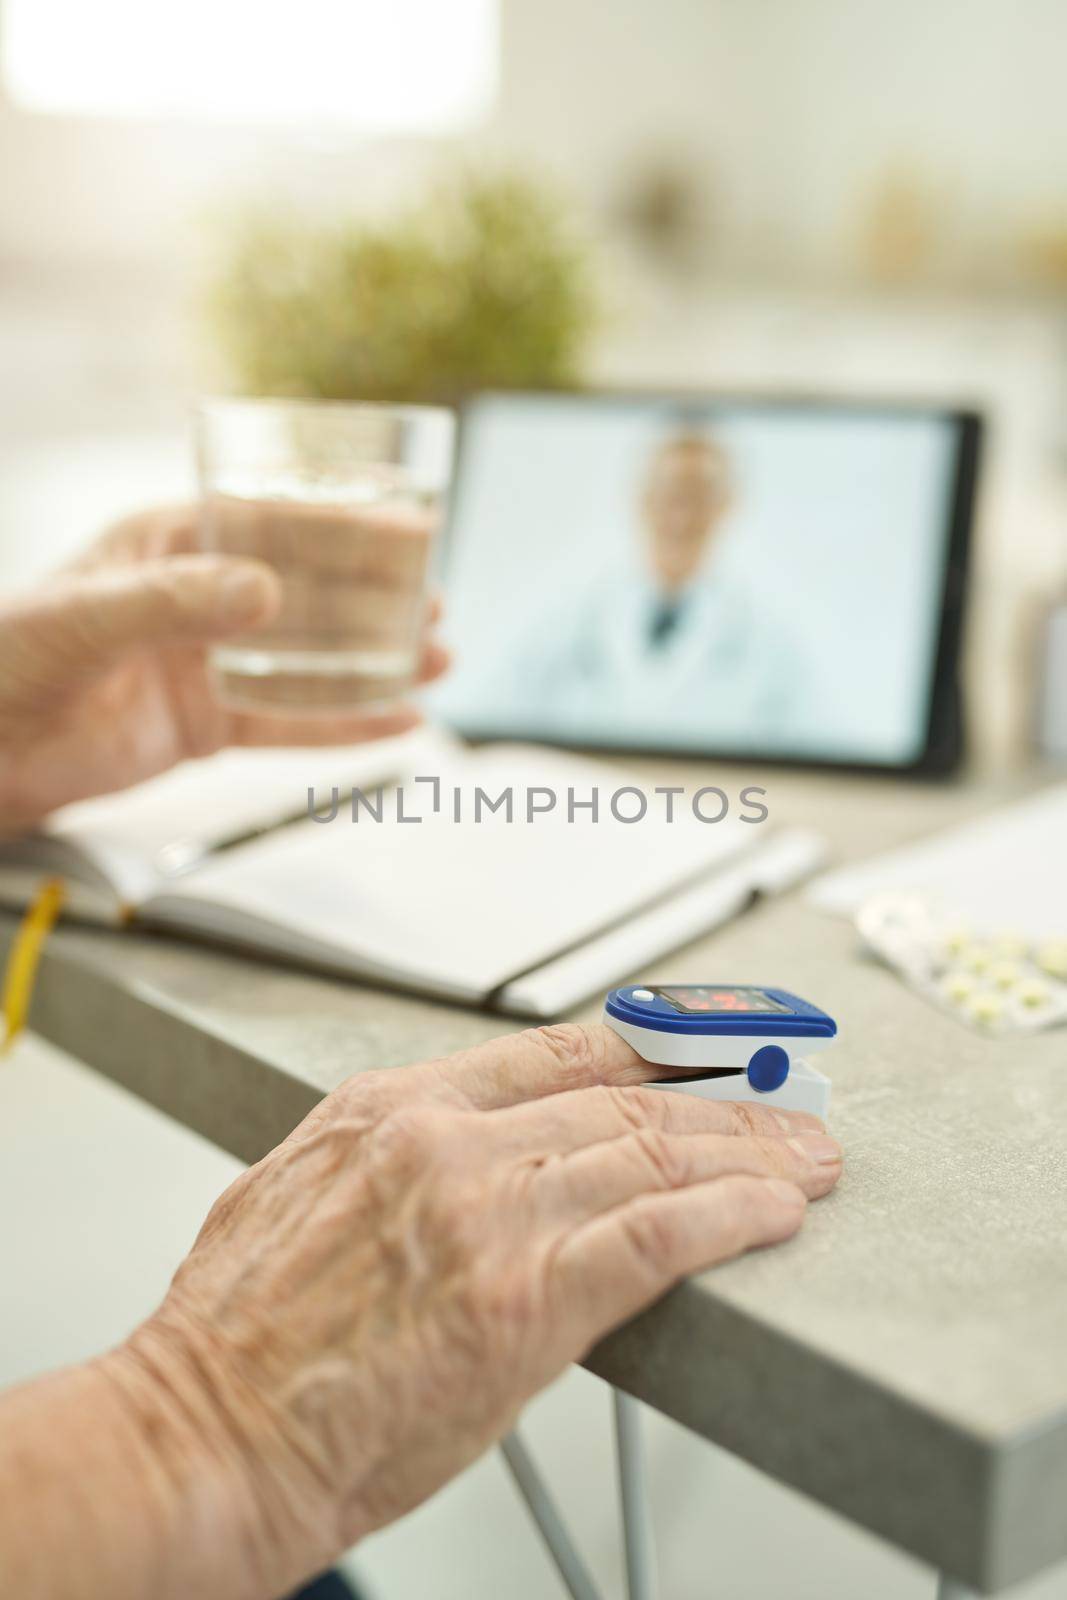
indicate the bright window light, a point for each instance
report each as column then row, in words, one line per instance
column 376, row 65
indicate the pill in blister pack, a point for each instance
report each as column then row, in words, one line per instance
column 993, row 979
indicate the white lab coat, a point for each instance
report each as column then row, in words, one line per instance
column 728, row 674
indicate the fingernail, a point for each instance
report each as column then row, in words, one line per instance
column 787, row 1193
column 818, row 1147
column 243, row 595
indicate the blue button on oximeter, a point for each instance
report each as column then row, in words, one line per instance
column 727, row 1041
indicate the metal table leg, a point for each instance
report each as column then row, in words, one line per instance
column 633, row 1499
column 949, row 1589
column 550, row 1524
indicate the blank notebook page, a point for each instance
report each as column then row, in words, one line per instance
column 464, row 906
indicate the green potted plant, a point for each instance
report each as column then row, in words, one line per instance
column 483, row 285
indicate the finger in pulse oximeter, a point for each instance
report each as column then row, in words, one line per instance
column 727, row 1041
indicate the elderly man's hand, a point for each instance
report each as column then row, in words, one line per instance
column 369, row 1307
column 103, row 680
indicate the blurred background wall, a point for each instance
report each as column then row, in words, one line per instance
column 788, row 117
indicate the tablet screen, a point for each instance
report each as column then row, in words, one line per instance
column 744, row 578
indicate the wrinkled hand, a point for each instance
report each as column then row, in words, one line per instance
column 103, row 676
column 368, row 1308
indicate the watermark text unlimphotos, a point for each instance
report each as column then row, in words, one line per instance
column 527, row 803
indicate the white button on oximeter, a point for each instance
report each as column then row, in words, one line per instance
column 728, row 1041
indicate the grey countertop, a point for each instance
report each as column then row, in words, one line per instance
column 903, row 1361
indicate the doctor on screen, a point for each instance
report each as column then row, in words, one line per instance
column 671, row 642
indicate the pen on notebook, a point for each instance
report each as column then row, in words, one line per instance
column 185, row 854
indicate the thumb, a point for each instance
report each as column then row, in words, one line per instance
column 102, row 615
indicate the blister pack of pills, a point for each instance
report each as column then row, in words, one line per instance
column 993, row 979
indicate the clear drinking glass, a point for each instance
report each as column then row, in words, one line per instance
column 343, row 502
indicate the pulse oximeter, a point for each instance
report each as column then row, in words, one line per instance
column 727, row 1041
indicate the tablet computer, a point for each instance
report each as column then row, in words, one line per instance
column 760, row 578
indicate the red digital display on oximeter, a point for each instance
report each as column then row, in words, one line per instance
column 703, row 998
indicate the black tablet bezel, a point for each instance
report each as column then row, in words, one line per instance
column 943, row 749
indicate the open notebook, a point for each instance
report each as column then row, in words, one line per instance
column 528, row 916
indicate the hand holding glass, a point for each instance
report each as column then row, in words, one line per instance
column 343, row 502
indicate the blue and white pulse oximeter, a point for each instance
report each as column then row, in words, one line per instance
column 727, row 1041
